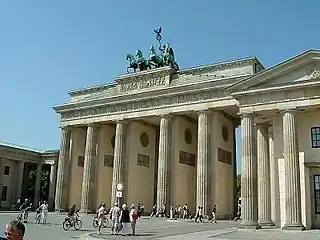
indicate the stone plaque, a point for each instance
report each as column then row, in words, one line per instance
column 224, row 156
column 108, row 161
column 187, row 158
column 80, row 161
column 143, row 160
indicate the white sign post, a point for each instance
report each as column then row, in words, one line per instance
column 119, row 189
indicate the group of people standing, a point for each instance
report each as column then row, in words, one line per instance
column 122, row 219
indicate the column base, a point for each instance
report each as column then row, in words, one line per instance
column 87, row 211
column 266, row 223
column 249, row 225
column 294, row 227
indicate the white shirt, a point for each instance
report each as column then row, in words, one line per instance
column 101, row 212
column 44, row 207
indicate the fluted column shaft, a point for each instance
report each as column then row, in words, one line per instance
column 60, row 202
column 119, row 158
column 163, row 162
column 249, row 200
column 90, row 154
column 18, row 193
column 292, row 171
column 53, row 174
column 263, row 157
column 37, row 189
column 203, row 151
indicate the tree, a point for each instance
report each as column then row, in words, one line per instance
column 238, row 185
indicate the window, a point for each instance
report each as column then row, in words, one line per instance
column 317, row 193
column 315, row 137
column 4, row 193
column 6, row 170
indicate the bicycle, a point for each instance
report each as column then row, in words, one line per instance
column 68, row 223
column 95, row 222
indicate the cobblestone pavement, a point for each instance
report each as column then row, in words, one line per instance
column 154, row 229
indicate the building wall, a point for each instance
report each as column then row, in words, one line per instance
column 139, row 185
column 307, row 154
column 8, row 181
column 104, row 169
column 183, row 176
column 78, row 137
column 222, row 184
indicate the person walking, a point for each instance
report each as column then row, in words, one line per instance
column 214, row 212
column 125, row 220
column 115, row 215
column 133, row 219
column 44, row 212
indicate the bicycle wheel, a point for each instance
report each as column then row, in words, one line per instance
column 105, row 223
column 77, row 224
column 95, row 222
column 66, row 225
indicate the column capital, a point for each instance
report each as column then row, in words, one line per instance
column 65, row 128
column 263, row 125
column 205, row 111
column 167, row 116
column 122, row 121
column 93, row 125
column 247, row 115
column 288, row 110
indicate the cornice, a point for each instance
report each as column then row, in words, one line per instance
column 218, row 66
column 276, row 70
column 93, row 89
column 139, row 96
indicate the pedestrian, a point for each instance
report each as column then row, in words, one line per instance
column 214, row 212
column 15, row 230
column 114, row 216
column 44, row 212
column 125, row 219
column 133, row 219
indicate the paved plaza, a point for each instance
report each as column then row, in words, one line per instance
column 154, row 229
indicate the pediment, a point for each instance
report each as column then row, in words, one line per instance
column 299, row 70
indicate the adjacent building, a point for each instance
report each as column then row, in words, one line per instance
column 168, row 137
column 16, row 165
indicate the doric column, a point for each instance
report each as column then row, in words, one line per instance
column 163, row 162
column 37, row 188
column 203, row 152
column 119, row 158
column 249, row 200
column 53, row 172
column 90, row 154
column 274, row 183
column 60, row 202
column 19, row 185
column 264, row 199
column 292, row 172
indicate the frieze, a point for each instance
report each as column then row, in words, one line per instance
column 142, row 84
column 146, row 104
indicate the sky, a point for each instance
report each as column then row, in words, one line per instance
column 50, row 47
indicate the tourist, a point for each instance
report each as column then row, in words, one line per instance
column 15, row 230
column 171, row 212
column 199, row 214
column 101, row 216
column 154, row 211
column 133, row 219
column 139, row 210
column 214, row 212
column 114, row 216
column 185, row 211
column 25, row 207
column 125, row 219
column 44, row 211
column 179, row 211
column 72, row 213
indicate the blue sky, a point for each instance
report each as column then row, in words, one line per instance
column 50, row 47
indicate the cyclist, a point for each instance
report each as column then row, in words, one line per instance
column 101, row 216
column 72, row 214
column 25, row 207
